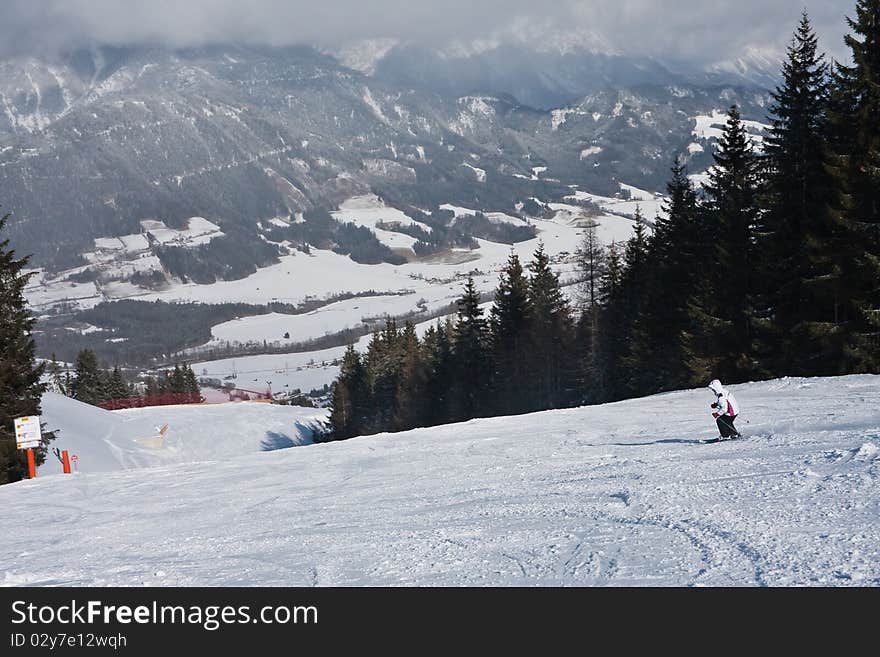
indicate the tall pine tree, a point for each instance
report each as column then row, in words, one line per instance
column 800, row 245
column 440, row 366
column 384, row 366
column 20, row 385
column 116, row 387
column 675, row 260
column 725, row 305
column 350, row 397
column 552, row 376
column 89, row 384
column 191, row 383
column 509, row 323
column 624, row 356
column 410, row 403
column 471, row 365
column 611, row 340
column 855, row 141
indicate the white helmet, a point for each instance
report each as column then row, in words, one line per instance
column 715, row 386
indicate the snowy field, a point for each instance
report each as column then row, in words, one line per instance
column 418, row 289
column 306, row 370
column 427, row 287
column 421, row 287
column 614, row 495
column 712, row 127
column 322, row 274
column 282, row 372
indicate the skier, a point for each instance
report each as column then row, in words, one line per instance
column 725, row 409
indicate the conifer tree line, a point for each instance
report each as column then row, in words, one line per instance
column 771, row 269
column 516, row 359
column 93, row 385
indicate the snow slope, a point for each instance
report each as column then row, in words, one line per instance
column 621, row 494
column 282, row 372
column 712, row 127
column 120, row 440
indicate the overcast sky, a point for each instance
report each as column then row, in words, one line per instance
column 710, row 30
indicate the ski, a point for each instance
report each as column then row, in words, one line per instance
column 720, row 440
column 707, row 441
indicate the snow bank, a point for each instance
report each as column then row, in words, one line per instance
column 106, row 441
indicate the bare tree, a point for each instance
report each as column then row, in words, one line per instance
column 591, row 265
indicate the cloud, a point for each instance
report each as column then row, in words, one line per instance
column 714, row 30
column 688, row 29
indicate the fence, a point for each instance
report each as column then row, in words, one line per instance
column 163, row 399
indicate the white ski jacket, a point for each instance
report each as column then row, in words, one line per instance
column 725, row 402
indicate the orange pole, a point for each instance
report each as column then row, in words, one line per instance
column 65, row 461
column 32, row 467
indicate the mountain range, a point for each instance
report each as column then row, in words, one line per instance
column 95, row 142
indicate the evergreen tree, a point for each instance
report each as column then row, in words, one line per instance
column 384, row 366
column 20, row 385
column 177, row 380
column 625, row 338
column 439, row 362
column 410, row 399
column 611, row 340
column 800, row 249
column 553, row 373
column 191, row 386
column 675, row 260
column 350, row 398
column 90, row 383
column 855, row 138
column 509, row 322
column 724, row 315
column 359, row 390
column 166, row 382
column 471, row 364
column 116, row 387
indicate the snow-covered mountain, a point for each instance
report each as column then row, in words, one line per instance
column 760, row 66
column 135, row 172
column 95, row 143
column 546, row 67
column 617, row 495
column 539, row 72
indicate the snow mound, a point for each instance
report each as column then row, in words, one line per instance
column 106, row 441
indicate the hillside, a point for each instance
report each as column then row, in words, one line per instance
column 616, row 495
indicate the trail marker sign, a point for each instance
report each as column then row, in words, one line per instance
column 27, row 432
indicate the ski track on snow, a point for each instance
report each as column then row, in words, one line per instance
column 614, row 495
